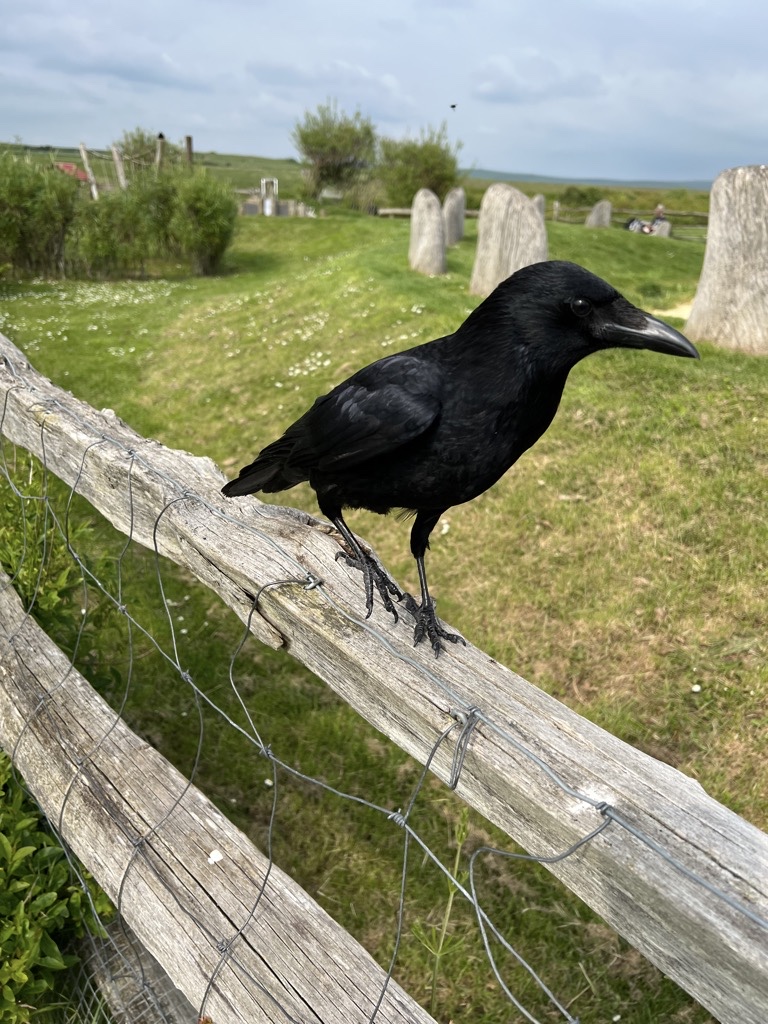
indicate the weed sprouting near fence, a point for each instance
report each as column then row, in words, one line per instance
column 681, row 877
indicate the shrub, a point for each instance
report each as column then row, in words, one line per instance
column 37, row 208
column 410, row 164
column 48, row 225
column 110, row 236
column 203, row 220
column 581, row 195
column 125, row 228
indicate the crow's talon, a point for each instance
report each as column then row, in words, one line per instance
column 428, row 625
column 374, row 575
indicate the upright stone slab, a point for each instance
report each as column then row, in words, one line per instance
column 663, row 229
column 426, row 253
column 540, row 203
column 454, row 210
column 731, row 304
column 510, row 235
column 600, row 215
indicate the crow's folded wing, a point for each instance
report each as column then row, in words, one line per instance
column 380, row 408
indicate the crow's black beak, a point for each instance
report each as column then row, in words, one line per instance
column 652, row 334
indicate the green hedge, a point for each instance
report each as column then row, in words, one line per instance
column 50, row 226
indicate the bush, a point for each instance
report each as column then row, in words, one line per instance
column 203, row 220
column 581, row 195
column 408, row 165
column 125, row 228
column 110, row 237
column 50, row 226
column 37, row 208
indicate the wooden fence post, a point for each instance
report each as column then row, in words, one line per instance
column 117, row 158
column 87, row 166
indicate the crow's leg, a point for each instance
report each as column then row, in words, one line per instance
column 427, row 623
column 374, row 574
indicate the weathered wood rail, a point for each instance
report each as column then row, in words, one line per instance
column 681, row 877
column 147, row 835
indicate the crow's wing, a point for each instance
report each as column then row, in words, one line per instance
column 380, row 408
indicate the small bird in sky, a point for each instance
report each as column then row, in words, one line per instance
column 437, row 425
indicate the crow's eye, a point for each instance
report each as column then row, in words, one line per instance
column 581, row 307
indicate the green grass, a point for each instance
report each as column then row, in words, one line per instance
column 620, row 565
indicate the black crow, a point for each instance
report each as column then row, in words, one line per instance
column 438, row 424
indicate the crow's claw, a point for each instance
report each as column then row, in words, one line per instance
column 428, row 625
column 375, row 576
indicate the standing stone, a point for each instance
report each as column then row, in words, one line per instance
column 600, row 215
column 663, row 229
column 540, row 203
column 510, row 235
column 454, row 210
column 731, row 304
column 426, row 253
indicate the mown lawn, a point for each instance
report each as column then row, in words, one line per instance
column 621, row 565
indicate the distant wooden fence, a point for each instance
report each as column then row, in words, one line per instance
column 686, row 225
column 684, row 879
column 405, row 211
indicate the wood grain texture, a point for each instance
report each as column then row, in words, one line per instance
column 533, row 767
column 147, row 835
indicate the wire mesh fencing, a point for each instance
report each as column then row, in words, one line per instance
column 89, row 586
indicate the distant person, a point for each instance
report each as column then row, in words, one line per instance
column 659, row 217
column 640, row 226
column 646, row 227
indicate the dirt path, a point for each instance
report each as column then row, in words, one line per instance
column 683, row 311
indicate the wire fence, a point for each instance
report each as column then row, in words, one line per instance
column 118, row 978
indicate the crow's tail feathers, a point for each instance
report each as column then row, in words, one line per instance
column 270, row 472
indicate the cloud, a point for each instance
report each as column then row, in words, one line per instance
column 378, row 94
column 604, row 87
column 531, row 78
column 145, row 70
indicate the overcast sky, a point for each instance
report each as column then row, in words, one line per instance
column 628, row 89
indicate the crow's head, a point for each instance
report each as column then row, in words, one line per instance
column 560, row 307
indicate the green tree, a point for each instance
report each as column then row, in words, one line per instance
column 407, row 165
column 337, row 147
column 139, row 149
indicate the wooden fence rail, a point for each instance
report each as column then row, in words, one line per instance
column 681, row 877
column 147, row 835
